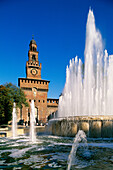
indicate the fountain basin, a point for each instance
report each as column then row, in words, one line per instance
column 93, row 126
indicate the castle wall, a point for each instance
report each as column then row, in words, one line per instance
column 52, row 106
column 35, row 90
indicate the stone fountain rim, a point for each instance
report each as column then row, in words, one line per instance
column 76, row 118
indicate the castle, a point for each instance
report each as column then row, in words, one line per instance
column 35, row 89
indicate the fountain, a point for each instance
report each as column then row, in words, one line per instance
column 75, row 113
column 90, row 93
column 87, row 98
column 32, row 123
column 14, row 121
column 80, row 136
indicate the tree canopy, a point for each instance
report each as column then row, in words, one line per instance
column 9, row 94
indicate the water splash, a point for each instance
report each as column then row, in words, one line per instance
column 32, row 123
column 80, row 136
column 14, row 121
column 89, row 93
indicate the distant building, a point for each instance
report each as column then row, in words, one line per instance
column 35, row 89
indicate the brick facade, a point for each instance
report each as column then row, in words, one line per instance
column 35, row 89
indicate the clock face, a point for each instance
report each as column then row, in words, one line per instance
column 34, row 72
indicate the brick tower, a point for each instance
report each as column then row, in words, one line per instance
column 33, row 69
column 34, row 87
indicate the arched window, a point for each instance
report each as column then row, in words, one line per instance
column 34, row 49
column 33, row 58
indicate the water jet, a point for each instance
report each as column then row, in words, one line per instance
column 32, row 123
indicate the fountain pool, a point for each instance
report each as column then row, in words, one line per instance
column 51, row 152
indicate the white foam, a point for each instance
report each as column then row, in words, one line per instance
column 19, row 153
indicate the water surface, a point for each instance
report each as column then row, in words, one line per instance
column 51, row 152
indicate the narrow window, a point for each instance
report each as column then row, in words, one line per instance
column 33, row 58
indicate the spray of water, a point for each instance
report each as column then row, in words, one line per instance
column 32, row 123
column 89, row 93
column 80, row 136
column 14, row 121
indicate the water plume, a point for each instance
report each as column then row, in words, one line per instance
column 32, row 123
column 14, row 121
column 80, row 136
column 89, row 92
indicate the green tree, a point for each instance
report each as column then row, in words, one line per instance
column 9, row 94
column 5, row 105
column 16, row 95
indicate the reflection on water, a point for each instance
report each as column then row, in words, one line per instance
column 51, row 152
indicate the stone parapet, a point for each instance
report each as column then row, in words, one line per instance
column 52, row 102
column 94, row 126
column 29, row 83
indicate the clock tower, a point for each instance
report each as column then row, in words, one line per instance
column 35, row 88
column 33, row 68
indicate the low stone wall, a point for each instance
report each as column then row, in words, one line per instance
column 8, row 133
column 94, row 127
column 21, row 130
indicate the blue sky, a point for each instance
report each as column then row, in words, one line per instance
column 59, row 28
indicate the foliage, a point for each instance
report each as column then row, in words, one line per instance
column 9, row 94
column 5, row 105
column 16, row 95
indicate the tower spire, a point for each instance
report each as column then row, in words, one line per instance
column 32, row 36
